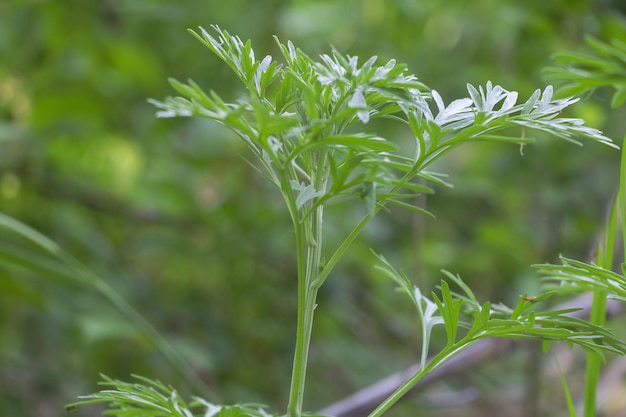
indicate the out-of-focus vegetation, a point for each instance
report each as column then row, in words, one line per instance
column 169, row 214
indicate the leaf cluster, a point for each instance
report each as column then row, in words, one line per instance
column 149, row 397
column 603, row 65
column 463, row 311
column 304, row 116
column 467, row 321
column 577, row 276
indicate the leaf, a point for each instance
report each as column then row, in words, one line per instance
column 368, row 193
column 582, row 73
column 357, row 142
column 340, row 170
column 509, row 102
column 358, row 102
column 571, row 408
column 411, row 207
column 546, row 97
column 506, row 139
column 530, row 103
column 466, row 289
column 619, row 97
column 476, row 97
column 151, row 398
column 449, row 310
column 617, row 51
column 306, row 192
column 438, row 100
column 580, row 276
column 358, row 99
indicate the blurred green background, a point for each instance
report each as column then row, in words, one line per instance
column 169, row 213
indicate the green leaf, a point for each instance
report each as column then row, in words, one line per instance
column 306, row 192
column 358, row 142
column 449, row 310
column 619, row 97
column 530, row 103
column 152, row 398
column 411, row 207
column 582, row 73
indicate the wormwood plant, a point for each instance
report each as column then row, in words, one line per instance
column 307, row 124
column 603, row 65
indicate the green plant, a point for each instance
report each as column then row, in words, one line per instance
column 307, row 123
column 603, row 65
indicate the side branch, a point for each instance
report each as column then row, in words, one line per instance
column 362, row 402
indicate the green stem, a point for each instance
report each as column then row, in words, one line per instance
column 347, row 242
column 303, row 339
column 606, row 253
column 309, row 236
column 316, row 274
column 594, row 361
column 440, row 358
column 597, row 315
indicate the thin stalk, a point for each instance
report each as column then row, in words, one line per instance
column 397, row 394
column 330, row 264
column 419, row 165
column 315, row 276
column 621, row 198
column 310, row 235
column 593, row 360
column 410, row 383
column 605, row 256
column 598, row 308
column 303, row 339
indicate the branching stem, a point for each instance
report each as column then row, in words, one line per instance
column 309, row 241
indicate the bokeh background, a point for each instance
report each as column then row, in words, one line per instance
column 170, row 215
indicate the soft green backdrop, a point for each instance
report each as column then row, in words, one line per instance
column 169, row 213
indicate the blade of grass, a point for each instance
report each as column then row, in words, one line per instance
column 571, row 408
column 84, row 275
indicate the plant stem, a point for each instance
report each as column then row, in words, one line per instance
column 309, row 235
column 594, row 361
column 356, row 231
column 606, row 253
column 605, row 256
column 303, row 338
column 421, row 373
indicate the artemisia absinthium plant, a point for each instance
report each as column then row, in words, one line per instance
column 306, row 121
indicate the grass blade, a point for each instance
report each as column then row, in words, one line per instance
column 89, row 278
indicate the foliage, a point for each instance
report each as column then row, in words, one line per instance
column 299, row 136
column 494, row 321
column 164, row 216
column 148, row 397
column 584, row 72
